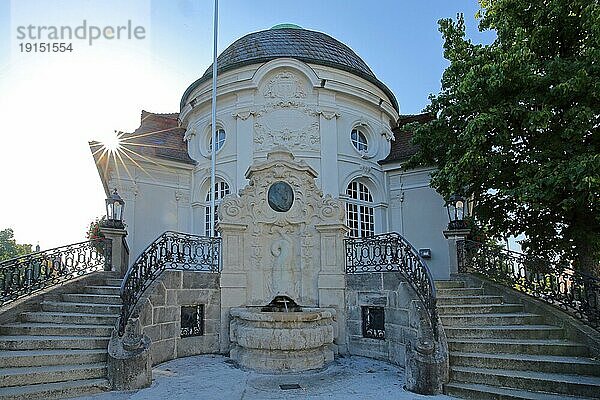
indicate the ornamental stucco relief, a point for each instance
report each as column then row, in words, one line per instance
column 283, row 247
column 285, row 119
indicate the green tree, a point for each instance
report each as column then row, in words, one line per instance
column 9, row 248
column 518, row 122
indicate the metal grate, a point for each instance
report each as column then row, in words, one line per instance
column 192, row 320
column 289, row 386
column 373, row 322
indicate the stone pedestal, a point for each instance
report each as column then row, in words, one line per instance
column 120, row 251
column 129, row 362
column 426, row 370
column 279, row 342
column 454, row 236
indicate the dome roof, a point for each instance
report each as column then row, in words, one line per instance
column 287, row 40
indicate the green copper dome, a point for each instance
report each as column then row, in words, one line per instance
column 288, row 26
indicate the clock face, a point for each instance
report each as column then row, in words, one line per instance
column 280, row 196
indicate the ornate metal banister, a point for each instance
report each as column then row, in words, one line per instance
column 558, row 285
column 171, row 250
column 391, row 252
column 24, row 275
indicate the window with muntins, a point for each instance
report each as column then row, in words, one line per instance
column 221, row 190
column 360, row 214
column 221, row 135
column 359, row 140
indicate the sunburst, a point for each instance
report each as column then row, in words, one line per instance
column 120, row 147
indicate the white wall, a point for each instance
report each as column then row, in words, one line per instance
column 417, row 212
column 157, row 199
column 282, row 102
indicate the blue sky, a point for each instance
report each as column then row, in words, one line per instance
column 398, row 39
column 52, row 104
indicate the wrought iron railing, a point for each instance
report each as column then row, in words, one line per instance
column 558, row 285
column 171, row 250
column 391, row 252
column 25, row 275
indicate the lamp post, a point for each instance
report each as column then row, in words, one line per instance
column 458, row 210
column 114, row 211
column 113, row 229
column 458, row 229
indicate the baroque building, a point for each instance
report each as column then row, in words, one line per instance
column 325, row 245
column 289, row 88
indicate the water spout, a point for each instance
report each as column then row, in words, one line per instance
column 282, row 304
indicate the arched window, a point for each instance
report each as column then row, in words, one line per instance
column 221, row 136
column 221, row 189
column 359, row 210
column 359, row 140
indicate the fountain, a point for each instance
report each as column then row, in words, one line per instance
column 282, row 336
column 282, row 283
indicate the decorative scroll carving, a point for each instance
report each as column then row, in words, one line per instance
column 182, row 195
column 281, row 245
column 328, row 114
column 243, row 115
column 285, row 119
column 366, row 170
column 189, row 133
column 387, row 133
column 285, row 85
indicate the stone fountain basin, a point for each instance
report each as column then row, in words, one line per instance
column 282, row 341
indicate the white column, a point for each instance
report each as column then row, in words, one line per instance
column 329, row 152
column 245, row 145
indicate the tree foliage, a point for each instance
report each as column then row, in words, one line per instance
column 9, row 248
column 518, row 122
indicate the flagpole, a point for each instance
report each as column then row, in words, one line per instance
column 213, row 154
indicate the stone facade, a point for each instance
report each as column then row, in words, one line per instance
column 298, row 253
column 390, row 291
column 409, row 340
column 160, row 313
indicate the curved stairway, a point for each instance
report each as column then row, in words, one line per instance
column 500, row 351
column 61, row 350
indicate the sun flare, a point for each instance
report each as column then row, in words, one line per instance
column 112, row 143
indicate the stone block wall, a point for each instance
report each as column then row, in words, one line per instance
column 160, row 314
column 390, row 291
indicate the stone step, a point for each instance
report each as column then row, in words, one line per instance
column 460, row 292
column 89, row 308
column 584, row 386
column 443, row 301
column 528, row 362
column 113, row 282
column 32, row 358
column 52, row 342
column 521, row 318
column 480, row 309
column 518, row 346
column 42, row 328
column 91, row 298
column 476, row 391
column 449, row 284
column 505, row 332
column 70, row 318
column 111, row 290
column 48, row 374
column 57, row 390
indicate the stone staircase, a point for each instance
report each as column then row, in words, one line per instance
column 500, row 351
column 61, row 350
